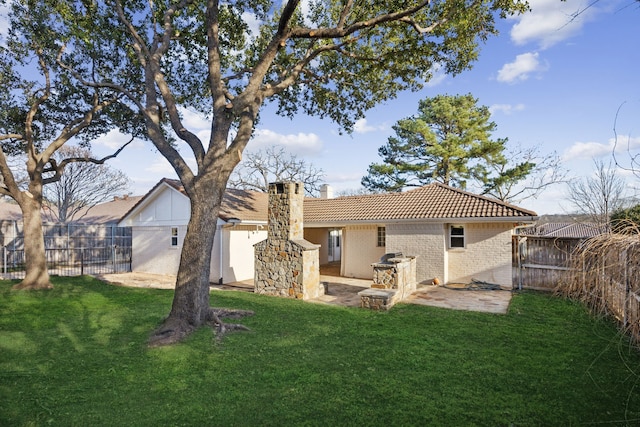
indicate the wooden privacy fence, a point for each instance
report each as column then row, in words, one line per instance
column 541, row 262
column 602, row 271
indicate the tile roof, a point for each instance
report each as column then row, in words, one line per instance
column 107, row 212
column 244, row 205
column 10, row 211
column 433, row 201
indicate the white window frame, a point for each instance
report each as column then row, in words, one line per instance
column 174, row 237
column 457, row 237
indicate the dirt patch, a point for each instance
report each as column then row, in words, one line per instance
column 140, row 280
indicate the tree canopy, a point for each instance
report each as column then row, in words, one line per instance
column 448, row 141
column 626, row 220
column 42, row 107
column 330, row 59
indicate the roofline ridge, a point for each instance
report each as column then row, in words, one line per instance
column 486, row 198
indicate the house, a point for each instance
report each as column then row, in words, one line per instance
column 93, row 222
column 455, row 235
column 159, row 223
column 577, row 230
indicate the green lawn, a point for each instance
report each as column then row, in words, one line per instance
column 77, row 356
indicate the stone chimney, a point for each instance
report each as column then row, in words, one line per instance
column 326, row 192
column 286, row 264
column 286, row 201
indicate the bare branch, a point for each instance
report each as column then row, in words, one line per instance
column 258, row 169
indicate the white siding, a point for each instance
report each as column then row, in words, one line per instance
column 168, row 207
column 360, row 251
column 425, row 241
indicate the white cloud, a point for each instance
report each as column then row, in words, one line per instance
column 588, row 150
column 506, row 108
column 438, row 75
column 521, row 68
column 114, row 140
column 253, row 22
column 551, row 21
column 362, row 126
column 160, row 166
column 297, row 144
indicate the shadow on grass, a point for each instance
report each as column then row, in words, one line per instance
column 77, row 355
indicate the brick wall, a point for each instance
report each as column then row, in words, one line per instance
column 424, row 241
column 360, row 250
column 487, row 255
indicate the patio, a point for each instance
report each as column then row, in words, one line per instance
column 344, row 291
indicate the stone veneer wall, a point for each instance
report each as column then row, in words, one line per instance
column 395, row 273
column 285, row 264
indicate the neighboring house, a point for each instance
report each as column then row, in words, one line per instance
column 455, row 235
column 97, row 221
column 106, row 213
column 578, row 230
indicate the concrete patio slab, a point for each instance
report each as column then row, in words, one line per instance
column 344, row 291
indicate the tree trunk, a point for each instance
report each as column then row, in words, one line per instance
column 190, row 308
column 37, row 276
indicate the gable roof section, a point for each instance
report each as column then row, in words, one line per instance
column 433, row 201
column 102, row 213
column 247, row 206
column 173, row 183
column 107, row 212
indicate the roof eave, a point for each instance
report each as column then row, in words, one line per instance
column 342, row 223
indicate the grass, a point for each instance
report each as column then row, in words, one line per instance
column 77, row 356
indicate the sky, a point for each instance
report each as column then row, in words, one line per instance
column 563, row 78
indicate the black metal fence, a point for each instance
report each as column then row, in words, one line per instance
column 73, row 250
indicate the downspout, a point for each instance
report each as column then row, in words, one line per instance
column 220, row 227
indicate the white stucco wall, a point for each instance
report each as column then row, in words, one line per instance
column 238, row 253
column 486, row 257
column 152, row 250
column 360, row 250
column 425, row 241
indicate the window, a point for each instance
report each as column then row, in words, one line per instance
column 382, row 237
column 174, row 236
column 456, row 236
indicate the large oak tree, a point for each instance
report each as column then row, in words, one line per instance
column 332, row 59
column 42, row 108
